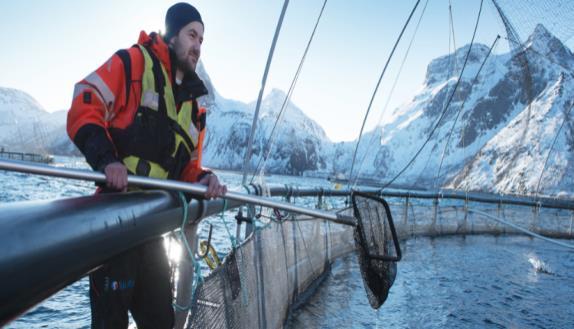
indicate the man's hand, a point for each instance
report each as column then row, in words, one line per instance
column 214, row 189
column 116, row 176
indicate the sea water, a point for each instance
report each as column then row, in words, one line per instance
column 454, row 282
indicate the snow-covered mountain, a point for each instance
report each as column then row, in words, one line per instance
column 495, row 135
column 534, row 149
column 299, row 144
column 298, row 147
column 26, row 126
column 497, row 131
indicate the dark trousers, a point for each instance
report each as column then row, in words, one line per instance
column 137, row 281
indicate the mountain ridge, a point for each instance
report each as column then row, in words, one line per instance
column 506, row 102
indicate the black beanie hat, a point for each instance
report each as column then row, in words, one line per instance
column 178, row 16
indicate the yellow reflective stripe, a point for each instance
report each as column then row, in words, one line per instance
column 156, row 171
column 194, row 134
column 169, row 97
column 184, row 120
column 184, row 115
column 179, row 140
column 148, row 84
column 148, row 81
column 131, row 163
column 150, row 99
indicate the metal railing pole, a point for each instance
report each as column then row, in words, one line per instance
column 196, row 189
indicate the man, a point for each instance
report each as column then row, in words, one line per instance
column 138, row 114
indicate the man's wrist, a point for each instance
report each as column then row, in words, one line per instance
column 105, row 161
column 205, row 173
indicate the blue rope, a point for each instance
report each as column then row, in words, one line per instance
column 197, row 278
column 246, row 187
column 222, row 216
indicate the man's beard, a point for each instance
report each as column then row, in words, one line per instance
column 183, row 56
column 183, row 61
column 185, row 66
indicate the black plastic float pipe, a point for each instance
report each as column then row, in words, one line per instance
column 543, row 202
column 47, row 245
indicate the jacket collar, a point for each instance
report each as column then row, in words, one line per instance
column 155, row 43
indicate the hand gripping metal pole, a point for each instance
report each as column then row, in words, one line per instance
column 197, row 189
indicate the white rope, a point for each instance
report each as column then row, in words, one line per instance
column 376, row 89
column 278, row 121
column 536, row 235
column 256, row 115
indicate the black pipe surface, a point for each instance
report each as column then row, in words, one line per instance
column 47, row 245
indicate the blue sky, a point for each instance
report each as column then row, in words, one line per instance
column 49, row 45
